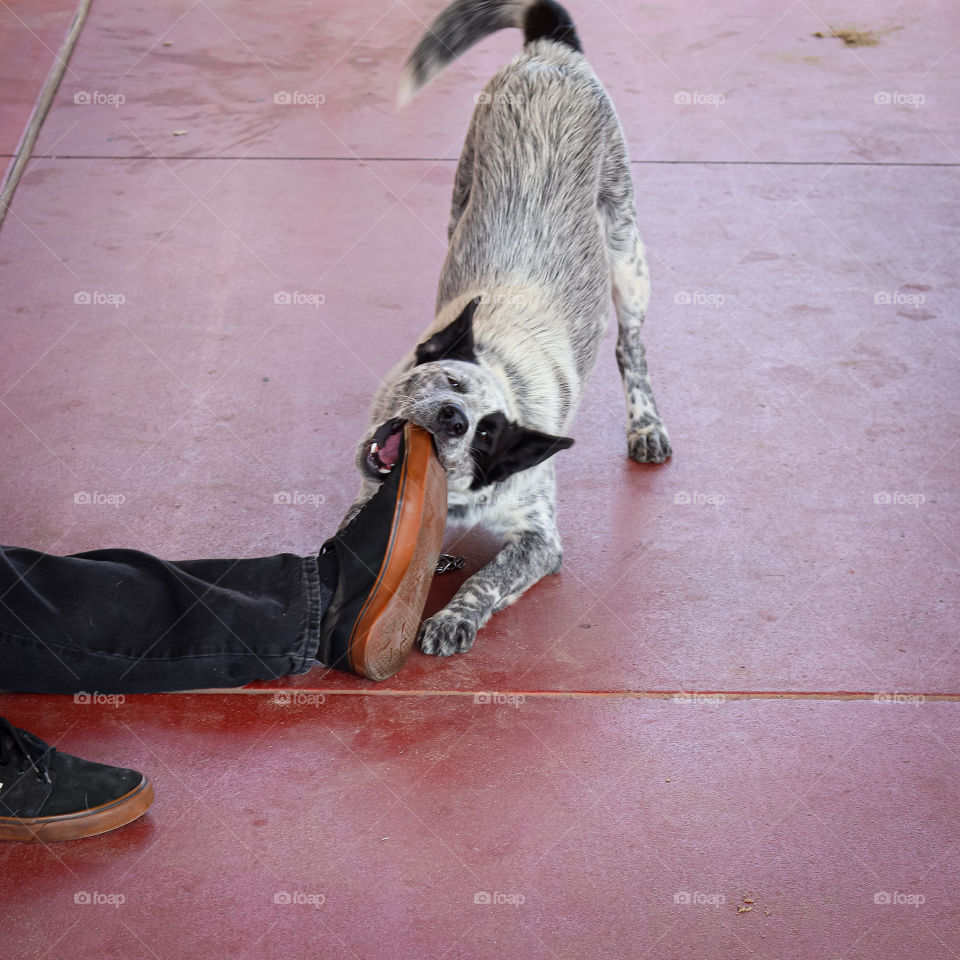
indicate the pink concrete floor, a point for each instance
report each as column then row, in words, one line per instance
column 743, row 685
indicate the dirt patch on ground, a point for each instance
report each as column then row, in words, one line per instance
column 857, row 38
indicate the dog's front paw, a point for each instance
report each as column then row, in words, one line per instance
column 649, row 444
column 446, row 633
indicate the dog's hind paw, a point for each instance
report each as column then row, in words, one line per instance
column 446, row 633
column 649, row 444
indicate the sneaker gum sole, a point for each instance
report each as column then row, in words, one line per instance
column 395, row 605
column 84, row 823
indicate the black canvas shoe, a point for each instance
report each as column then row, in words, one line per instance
column 386, row 557
column 47, row 795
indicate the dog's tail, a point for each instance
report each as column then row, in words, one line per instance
column 466, row 22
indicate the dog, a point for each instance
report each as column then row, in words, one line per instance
column 542, row 232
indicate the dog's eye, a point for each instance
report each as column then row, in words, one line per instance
column 453, row 383
column 483, row 435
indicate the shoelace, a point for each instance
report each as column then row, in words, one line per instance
column 25, row 746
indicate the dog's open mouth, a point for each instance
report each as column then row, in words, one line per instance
column 384, row 449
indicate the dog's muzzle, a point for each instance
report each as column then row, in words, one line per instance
column 451, row 421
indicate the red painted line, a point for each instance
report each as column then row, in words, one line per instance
column 882, row 696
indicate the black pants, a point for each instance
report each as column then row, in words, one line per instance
column 121, row 621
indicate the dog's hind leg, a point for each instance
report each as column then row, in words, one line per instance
column 450, row 282
column 647, row 440
column 463, row 180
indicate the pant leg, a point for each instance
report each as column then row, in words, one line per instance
column 122, row 621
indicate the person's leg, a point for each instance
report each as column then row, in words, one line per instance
column 121, row 621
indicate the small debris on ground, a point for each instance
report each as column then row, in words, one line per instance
column 746, row 904
column 856, row 38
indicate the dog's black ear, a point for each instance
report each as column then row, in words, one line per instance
column 454, row 341
column 502, row 448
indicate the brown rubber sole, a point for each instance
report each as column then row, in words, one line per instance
column 83, row 823
column 386, row 629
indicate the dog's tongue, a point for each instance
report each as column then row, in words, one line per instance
column 390, row 451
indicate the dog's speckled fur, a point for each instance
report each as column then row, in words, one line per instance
column 543, row 231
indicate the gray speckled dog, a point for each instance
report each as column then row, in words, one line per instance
column 542, row 232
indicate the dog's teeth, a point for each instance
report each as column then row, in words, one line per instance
column 385, row 469
column 374, row 448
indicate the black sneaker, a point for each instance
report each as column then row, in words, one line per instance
column 386, row 557
column 46, row 795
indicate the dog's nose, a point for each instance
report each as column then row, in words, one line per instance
column 451, row 420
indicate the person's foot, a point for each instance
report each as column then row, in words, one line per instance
column 386, row 558
column 47, row 795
